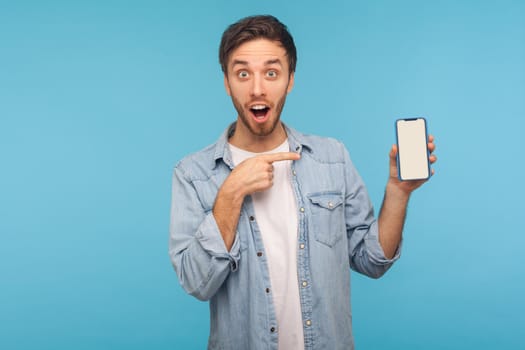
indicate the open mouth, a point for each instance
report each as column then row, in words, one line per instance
column 260, row 112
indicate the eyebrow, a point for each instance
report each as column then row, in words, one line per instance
column 267, row 63
column 274, row 61
column 240, row 62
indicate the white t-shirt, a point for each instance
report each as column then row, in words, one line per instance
column 276, row 215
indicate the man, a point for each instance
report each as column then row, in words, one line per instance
column 266, row 221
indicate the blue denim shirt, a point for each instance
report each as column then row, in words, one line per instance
column 337, row 230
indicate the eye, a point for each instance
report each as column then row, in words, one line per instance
column 271, row 74
column 243, row 74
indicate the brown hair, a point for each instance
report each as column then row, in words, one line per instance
column 256, row 27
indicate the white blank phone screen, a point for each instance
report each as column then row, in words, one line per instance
column 412, row 144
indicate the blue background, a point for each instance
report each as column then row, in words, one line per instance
column 99, row 100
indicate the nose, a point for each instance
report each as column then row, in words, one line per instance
column 258, row 88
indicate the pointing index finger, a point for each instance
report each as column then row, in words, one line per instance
column 275, row 157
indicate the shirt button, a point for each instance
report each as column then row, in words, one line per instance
column 308, row 323
column 330, row 205
column 267, row 290
column 301, row 245
column 294, row 173
column 302, row 210
column 272, row 329
column 252, row 218
column 297, row 148
column 259, row 253
column 304, row 283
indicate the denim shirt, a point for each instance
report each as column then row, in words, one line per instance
column 337, row 230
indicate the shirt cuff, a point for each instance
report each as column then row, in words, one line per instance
column 374, row 249
column 210, row 239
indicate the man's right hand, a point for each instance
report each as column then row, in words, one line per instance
column 252, row 175
column 256, row 174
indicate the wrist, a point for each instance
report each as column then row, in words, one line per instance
column 396, row 192
column 231, row 192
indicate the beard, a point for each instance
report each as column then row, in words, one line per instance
column 264, row 129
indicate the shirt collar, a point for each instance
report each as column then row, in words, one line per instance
column 222, row 151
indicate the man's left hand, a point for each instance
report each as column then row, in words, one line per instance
column 406, row 187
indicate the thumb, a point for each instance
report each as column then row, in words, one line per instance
column 393, row 151
column 393, row 156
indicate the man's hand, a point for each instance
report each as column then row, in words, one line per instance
column 253, row 175
column 256, row 174
column 406, row 187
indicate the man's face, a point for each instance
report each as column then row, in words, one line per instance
column 258, row 80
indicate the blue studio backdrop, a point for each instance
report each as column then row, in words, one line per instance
column 100, row 99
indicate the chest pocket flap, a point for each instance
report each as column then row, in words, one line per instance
column 328, row 201
column 327, row 217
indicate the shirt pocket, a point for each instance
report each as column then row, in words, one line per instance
column 327, row 217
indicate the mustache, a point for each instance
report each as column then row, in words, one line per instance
column 259, row 102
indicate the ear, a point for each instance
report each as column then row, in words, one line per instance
column 227, row 85
column 290, row 82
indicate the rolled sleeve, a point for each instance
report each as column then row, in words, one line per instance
column 375, row 251
column 366, row 254
column 196, row 247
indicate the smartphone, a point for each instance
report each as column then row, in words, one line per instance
column 412, row 150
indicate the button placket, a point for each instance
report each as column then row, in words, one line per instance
column 303, row 255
